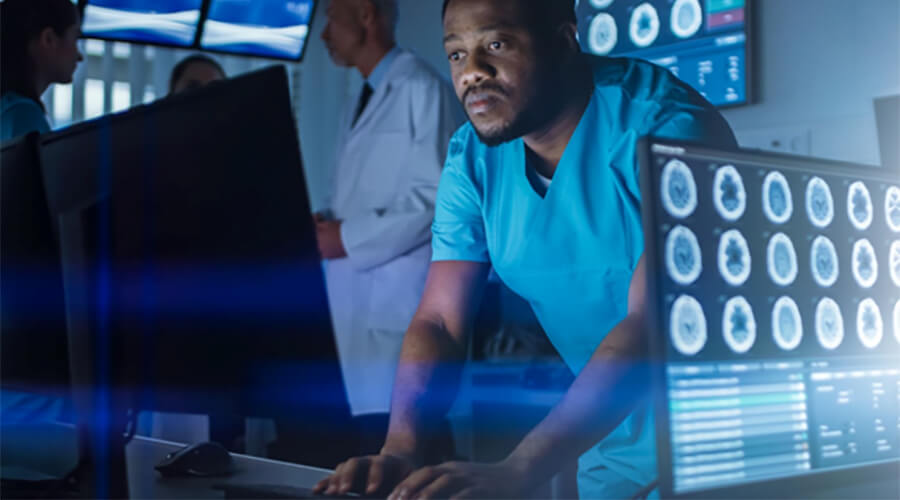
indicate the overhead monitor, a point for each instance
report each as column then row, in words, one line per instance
column 775, row 292
column 703, row 42
column 162, row 22
column 263, row 28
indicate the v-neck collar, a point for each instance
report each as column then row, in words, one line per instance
column 526, row 174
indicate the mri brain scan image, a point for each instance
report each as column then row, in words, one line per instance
column 679, row 191
column 829, row 324
column 869, row 325
column 729, row 195
column 687, row 326
column 787, row 327
column 683, row 259
column 781, row 260
column 892, row 208
column 777, row 201
column 819, row 203
column 734, row 258
column 601, row 4
column 603, row 35
column 687, row 18
column 895, row 262
column 823, row 260
column 865, row 264
column 859, row 206
column 897, row 321
column 739, row 325
column 644, row 25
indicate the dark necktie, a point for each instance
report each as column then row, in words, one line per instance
column 363, row 101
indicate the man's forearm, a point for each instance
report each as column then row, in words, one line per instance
column 425, row 386
column 603, row 394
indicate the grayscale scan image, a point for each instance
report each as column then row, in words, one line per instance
column 734, row 258
column 787, row 326
column 683, row 260
column 778, row 204
column 869, row 325
column 781, row 260
column 824, row 262
column 679, row 191
column 865, row 263
column 894, row 261
column 687, row 326
column 739, row 325
column 859, row 206
column 829, row 324
column 819, row 203
column 729, row 195
column 892, row 208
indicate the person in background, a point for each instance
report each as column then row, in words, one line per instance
column 193, row 72
column 38, row 47
column 542, row 185
column 375, row 238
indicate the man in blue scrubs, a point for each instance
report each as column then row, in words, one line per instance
column 542, row 184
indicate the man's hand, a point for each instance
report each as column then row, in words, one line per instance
column 367, row 475
column 328, row 234
column 464, row 480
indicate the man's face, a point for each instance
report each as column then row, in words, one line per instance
column 59, row 54
column 502, row 77
column 344, row 33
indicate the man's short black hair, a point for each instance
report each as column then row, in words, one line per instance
column 542, row 13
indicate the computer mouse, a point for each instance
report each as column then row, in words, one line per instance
column 198, row 460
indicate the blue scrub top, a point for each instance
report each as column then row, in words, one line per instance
column 20, row 115
column 571, row 252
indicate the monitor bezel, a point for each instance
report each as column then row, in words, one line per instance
column 82, row 5
column 814, row 480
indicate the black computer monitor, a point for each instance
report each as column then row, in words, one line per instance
column 775, row 305
column 32, row 313
column 190, row 264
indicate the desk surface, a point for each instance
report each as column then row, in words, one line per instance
column 29, row 448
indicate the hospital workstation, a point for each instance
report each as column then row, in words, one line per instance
column 450, row 249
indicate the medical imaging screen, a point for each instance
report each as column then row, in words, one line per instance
column 703, row 42
column 267, row 28
column 167, row 22
column 777, row 299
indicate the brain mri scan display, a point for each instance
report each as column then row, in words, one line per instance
column 895, row 262
column 829, row 324
column 892, row 208
column 683, row 259
column 865, row 264
column 729, row 195
column 897, row 321
column 687, row 325
column 739, row 325
column 679, row 191
column 778, row 204
column 859, row 206
column 686, row 18
column 869, row 325
column 781, row 260
column 644, row 25
column 819, row 203
column 823, row 260
column 601, row 4
column 787, row 327
column 734, row 258
column 603, row 35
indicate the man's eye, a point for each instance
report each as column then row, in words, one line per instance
column 454, row 56
column 496, row 45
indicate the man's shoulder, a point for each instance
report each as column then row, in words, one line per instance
column 640, row 80
column 411, row 68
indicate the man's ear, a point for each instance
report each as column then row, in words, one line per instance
column 47, row 38
column 567, row 34
column 367, row 13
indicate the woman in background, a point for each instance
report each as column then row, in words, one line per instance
column 38, row 47
column 193, row 72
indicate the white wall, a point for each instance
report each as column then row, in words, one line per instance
column 818, row 66
column 820, row 63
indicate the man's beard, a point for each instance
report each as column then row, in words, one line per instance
column 538, row 110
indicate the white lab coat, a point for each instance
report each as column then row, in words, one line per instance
column 384, row 187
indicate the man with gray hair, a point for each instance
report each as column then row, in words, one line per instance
column 376, row 235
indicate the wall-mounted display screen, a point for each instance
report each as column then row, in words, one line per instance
column 165, row 22
column 776, row 291
column 703, row 42
column 267, row 28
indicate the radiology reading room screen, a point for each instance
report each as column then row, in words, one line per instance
column 703, row 42
column 777, row 302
